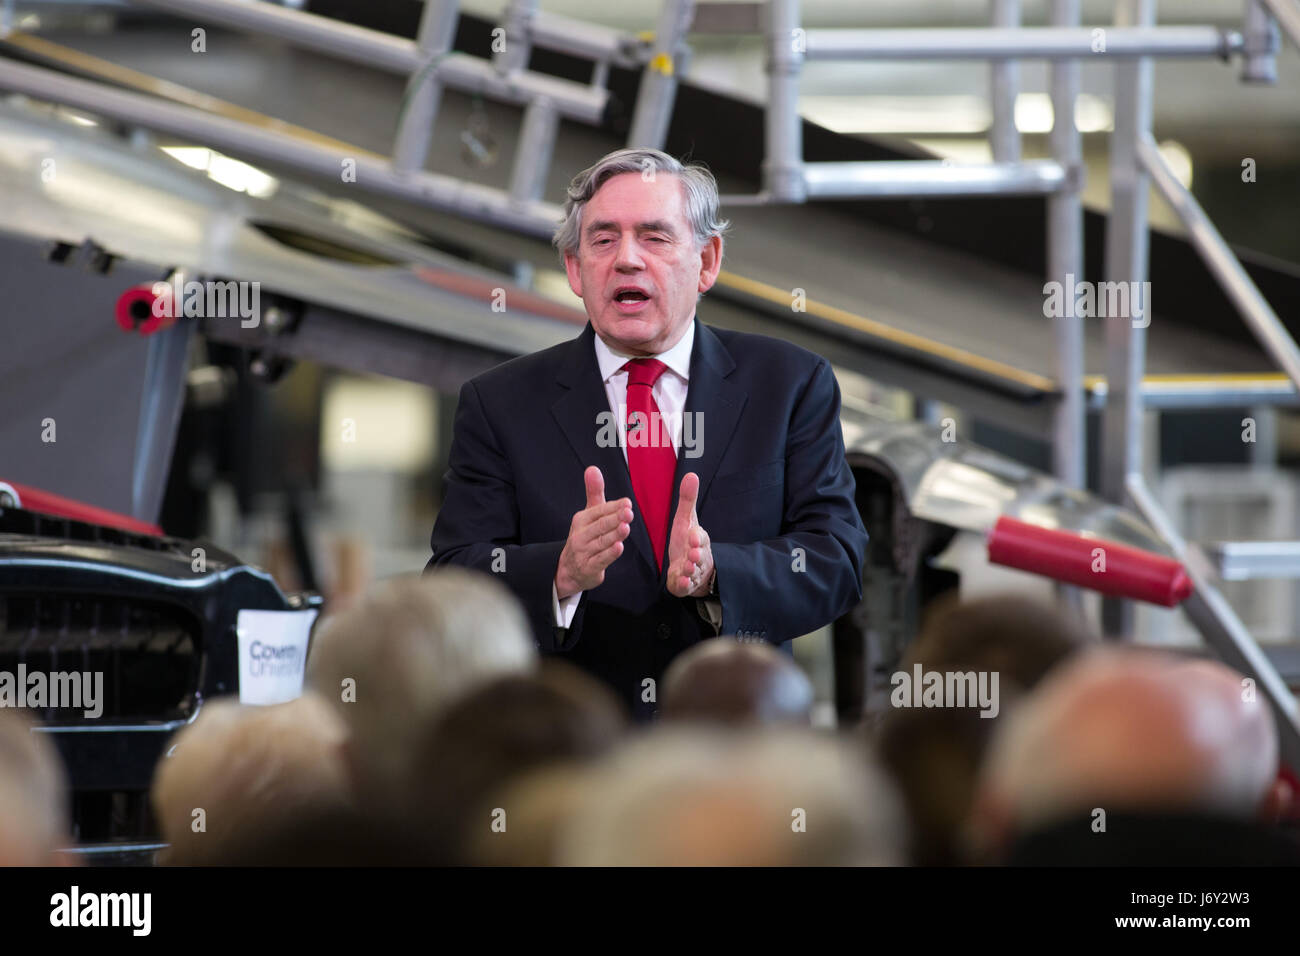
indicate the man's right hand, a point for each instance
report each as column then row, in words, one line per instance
column 595, row 538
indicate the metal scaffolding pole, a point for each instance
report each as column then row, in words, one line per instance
column 588, row 40
column 1004, row 86
column 1209, row 391
column 383, row 51
column 1127, row 247
column 1287, row 15
column 1021, row 43
column 534, row 151
column 1220, row 626
column 1065, row 258
column 482, row 203
column 894, row 179
column 658, row 90
column 518, row 23
column 1259, row 64
column 424, row 91
column 375, row 48
column 1223, row 265
column 783, row 173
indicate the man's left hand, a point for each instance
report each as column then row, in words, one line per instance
column 690, row 558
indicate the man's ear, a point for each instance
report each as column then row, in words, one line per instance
column 574, row 274
column 710, row 262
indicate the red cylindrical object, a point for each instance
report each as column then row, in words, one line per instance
column 127, row 320
column 1105, row 566
column 33, row 499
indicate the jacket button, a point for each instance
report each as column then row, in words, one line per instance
column 664, row 632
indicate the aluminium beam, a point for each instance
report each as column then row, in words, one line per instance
column 1065, row 258
column 461, row 197
column 914, row 178
column 1023, row 43
column 393, row 54
column 1220, row 626
column 1127, row 261
column 1259, row 316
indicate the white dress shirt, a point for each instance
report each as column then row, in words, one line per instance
column 669, row 392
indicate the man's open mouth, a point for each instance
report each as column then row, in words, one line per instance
column 630, row 295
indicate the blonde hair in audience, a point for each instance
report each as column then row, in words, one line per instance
column 248, row 769
column 395, row 659
column 34, row 819
column 698, row 796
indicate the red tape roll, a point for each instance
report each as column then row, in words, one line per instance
column 1094, row 563
column 34, row 499
column 127, row 319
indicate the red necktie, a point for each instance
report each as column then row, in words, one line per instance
column 650, row 455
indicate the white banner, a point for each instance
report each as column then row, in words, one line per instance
column 272, row 654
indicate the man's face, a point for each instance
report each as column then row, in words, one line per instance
column 638, row 267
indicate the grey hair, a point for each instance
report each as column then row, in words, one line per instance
column 416, row 643
column 700, row 191
column 648, row 802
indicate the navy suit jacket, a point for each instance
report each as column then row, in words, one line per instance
column 776, row 497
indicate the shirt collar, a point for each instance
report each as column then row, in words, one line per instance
column 677, row 358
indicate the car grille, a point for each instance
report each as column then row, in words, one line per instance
column 147, row 652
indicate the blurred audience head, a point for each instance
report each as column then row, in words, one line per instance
column 397, row 657
column 504, row 729
column 1130, row 731
column 935, row 754
column 537, row 807
column 704, row 797
column 240, row 773
column 735, row 682
column 934, row 758
column 1019, row 638
column 34, row 820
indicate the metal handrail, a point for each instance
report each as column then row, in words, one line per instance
column 1222, row 262
column 1287, row 15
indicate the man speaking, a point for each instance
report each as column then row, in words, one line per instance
column 654, row 481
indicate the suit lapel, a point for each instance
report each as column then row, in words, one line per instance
column 713, row 407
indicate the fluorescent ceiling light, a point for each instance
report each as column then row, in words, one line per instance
column 956, row 114
column 1179, row 160
column 972, row 152
column 231, row 173
column 944, row 115
column 1034, row 113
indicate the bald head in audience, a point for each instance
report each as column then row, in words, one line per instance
column 735, row 682
column 251, row 771
column 396, row 658
column 1131, row 731
column 697, row 797
column 33, row 796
